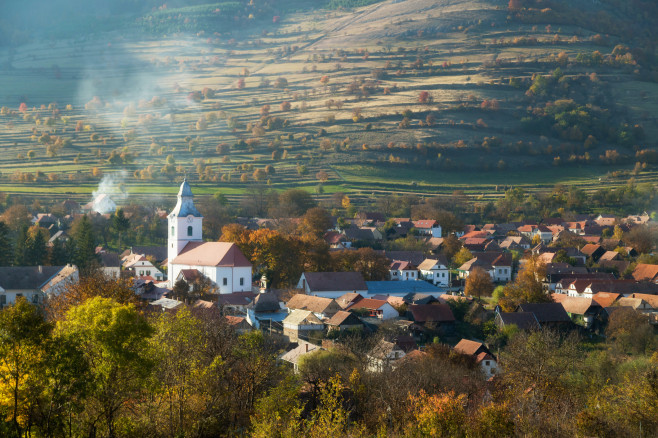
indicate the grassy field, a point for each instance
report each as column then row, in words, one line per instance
column 342, row 91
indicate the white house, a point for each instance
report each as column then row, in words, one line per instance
column 222, row 262
column 103, row 204
column 402, row 270
column 384, row 356
column 34, row 282
column 428, row 227
column 436, row 271
column 142, row 267
column 379, row 309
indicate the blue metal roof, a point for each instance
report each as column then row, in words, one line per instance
column 401, row 288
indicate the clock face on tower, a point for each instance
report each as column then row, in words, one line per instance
column 190, row 219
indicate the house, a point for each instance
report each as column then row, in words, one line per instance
column 337, row 240
column 355, row 234
column 140, row 266
column 300, row 324
column 157, row 253
column 606, row 299
column 298, row 352
column 332, row 284
column 413, row 257
column 343, row 321
column 522, row 320
column 636, row 303
column 321, row 307
column 547, row 314
column 416, row 298
column 593, row 251
column 428, row 227
column 609, row 256
column 644, row 272
column 147, row 291
column 34, row 283
column 165, row 304
column 238, row 302
column 345, row 301
column 221, row 262
column 518, row 243
column 432, row 316
column 582, row 311
column 110, row 264
column 480, row 353
column 542, row 231
column 102, row 204
column 401, row 270
column 384, row 356
column 435, row 271
column 379, row 309
column 238, row 323
column 498, row 265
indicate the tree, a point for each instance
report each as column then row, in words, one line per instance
column 21, row 250
column 37, row 253
column 462, row 257
column 16, row 216
column 84, row 255
column 630, row 332
column 440, row 415
column 315, row 222
column 120, row 224
column 527, row 287
column 91, row 286
column 514, row 5
column 114, row 339
column 642, row 238
column 6, row 247
column 23, row 332
column 279, row 414
column 296, row 201
column 58, row 254
column 478, row 283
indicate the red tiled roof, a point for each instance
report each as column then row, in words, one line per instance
column 645, row 272
column 367, row 303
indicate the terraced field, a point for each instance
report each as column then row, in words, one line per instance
column 422, row 97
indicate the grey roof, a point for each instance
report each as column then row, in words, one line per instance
column 335, row 281
column 27, row 277
column 110, row 260
column 266, row 302
column 185, row 204
column 546, row 312
column 166, row 303
column 403, row 287
column 523, row 320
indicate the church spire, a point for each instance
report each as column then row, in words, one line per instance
column 185, row 204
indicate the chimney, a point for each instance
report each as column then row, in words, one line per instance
column 40, row 269
column 306, row 347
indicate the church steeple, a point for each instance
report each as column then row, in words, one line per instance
column 185, row 225
column 185, row 204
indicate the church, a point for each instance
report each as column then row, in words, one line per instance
column 222, row 262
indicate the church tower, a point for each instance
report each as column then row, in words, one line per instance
column 184, row 225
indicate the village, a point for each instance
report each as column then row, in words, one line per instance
column 455, row 293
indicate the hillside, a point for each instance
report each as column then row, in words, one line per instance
column 423, row 96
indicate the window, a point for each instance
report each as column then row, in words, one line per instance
column 225, row 281
column 172, row 231
column 3, row 300
column 486, row 363
column 141, row 272
column 35, row 299
column 241, row 281
column 189, row 230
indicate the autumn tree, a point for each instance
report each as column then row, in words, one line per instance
column 527, row 286
column 114, row 339
column 462, row 256
column 316, row 221
column 478, row 283
column 96, row 285
column 23, row 334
